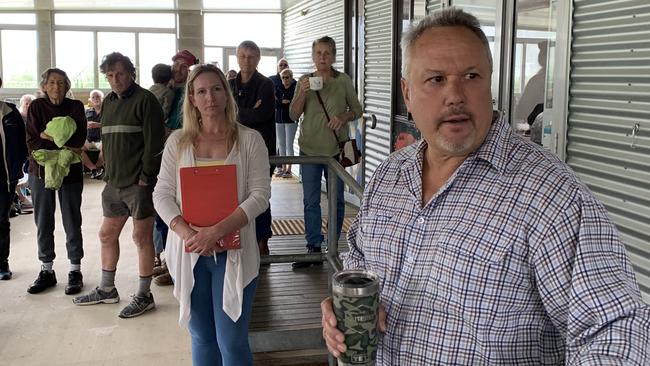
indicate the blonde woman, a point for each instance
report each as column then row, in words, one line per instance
column 215, row 288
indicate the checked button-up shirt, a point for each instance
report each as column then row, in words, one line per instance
column 512, row 262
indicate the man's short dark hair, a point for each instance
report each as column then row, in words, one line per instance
column 161, row 73
column 113, row 58
column 251, row 46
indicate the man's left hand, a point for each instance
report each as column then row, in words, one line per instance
column 335, row 123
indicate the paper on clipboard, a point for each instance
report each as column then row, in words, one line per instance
column 209, row 195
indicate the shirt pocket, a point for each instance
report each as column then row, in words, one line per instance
column 474, row 242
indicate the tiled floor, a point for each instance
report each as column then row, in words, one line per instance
column 47, row 329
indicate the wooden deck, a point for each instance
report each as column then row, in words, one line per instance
column 286, row 311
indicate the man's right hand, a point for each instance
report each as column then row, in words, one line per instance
column 334, row 338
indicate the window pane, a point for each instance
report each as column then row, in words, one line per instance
column 108, row 42
column 155, row 48
column 19, row 59
column 18, row 18
column 127, row 20
column 17, row 4
column 214, row 54
column 249, row 4
column 74, row 55
column 113, row 4
column 232, row 29
column 535, row 31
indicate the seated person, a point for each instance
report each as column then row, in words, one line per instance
column 94, row 137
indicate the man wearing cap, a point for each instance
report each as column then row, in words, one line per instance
column 255, row 97
column 180, row 69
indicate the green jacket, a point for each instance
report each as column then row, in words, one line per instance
column 57, row 165
column 133, row 137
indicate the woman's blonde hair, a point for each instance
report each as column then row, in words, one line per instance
column 191, row 116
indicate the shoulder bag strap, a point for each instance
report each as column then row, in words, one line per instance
column 320, row 100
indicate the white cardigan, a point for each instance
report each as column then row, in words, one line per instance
column 253, row 190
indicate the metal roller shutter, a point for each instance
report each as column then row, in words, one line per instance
column 609, row 96
column 434, row 5
column 378, row 72
column 308, row 21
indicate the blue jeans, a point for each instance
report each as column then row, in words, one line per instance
column 216, row 339
column 160, row 231
column 285, row 132
column 311, row 184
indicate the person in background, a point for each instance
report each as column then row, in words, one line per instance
column 317, row 135
column 133, row 137
column 25, row 102
column 13, row 154
column 215, row 288
column 55, row 84
column 254, row 95
column 277, row 82
column 162, row 75
column 22, row 187
column 489, row 249
column 285, row 127
column 232, row 74
column 94, row 138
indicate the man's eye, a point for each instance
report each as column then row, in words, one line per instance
column 437, row 79
column 471, row 76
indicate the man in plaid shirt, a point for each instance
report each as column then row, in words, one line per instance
column 489, row 249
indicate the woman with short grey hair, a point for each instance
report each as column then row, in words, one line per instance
column 55, row 84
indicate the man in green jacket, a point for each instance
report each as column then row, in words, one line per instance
column 133, row 137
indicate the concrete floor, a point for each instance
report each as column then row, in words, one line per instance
column 47, row 329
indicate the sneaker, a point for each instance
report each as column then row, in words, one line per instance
column 97, row 296
column 164, row 280
column 299, row 265
column 287, row 174
column 97, row 173
column 45, row 280
column 138, row 306
column 26, row 204
column 5, row 273
column 278, row 172
column 75, row 283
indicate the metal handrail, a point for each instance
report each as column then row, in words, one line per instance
column 333, row 168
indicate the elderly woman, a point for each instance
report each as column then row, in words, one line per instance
column 215, row 287
column 55, row 84
column 285, row 127
column 320, row 132
column 25, row 101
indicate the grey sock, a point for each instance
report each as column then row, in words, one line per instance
column 75, row 267
column 107, row 282
column 144, row 286
column 47, row 266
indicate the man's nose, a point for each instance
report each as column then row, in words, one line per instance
column 454, row 91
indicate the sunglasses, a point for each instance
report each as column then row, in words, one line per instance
column 286, row 77
column 283, row 65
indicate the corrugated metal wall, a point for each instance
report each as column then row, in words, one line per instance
column 434, row 5
column 307, row 21
column 378, row 73
column 609, row 95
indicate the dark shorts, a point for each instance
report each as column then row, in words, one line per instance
column 135, row 201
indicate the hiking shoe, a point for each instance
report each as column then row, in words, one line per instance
column 164, row 279
column 75, row 283
column 97, row 296
column 45, row 280
column 160, row 270
column 299, row 265
column 5, row 273
column 138, row 306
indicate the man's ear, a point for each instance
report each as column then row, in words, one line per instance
column 406, row 93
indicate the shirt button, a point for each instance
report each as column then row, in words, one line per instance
column 421, row 220
column 409, row 259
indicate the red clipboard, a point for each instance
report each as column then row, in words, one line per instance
column 209, row 195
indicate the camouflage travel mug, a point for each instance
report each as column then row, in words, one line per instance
column 356, row 304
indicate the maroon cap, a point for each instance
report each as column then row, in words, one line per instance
column 187, row 57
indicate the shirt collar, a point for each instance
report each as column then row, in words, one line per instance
column 127, row 93
column 494, row 149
